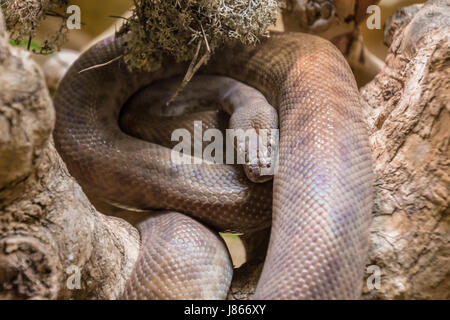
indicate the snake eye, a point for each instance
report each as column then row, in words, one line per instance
column 315, row 15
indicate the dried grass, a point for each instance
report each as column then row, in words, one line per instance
column 176, row 27
column 23, row 18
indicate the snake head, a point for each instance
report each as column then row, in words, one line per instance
column 314, row 15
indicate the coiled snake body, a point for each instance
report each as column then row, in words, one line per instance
column 322, row 192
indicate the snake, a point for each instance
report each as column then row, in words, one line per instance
column 318, row 204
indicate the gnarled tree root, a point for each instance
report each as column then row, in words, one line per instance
column 53, row 243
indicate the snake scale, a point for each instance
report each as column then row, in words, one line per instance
column 320, row 200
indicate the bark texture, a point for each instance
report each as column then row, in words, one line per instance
column 408, row 114
column 51, row 236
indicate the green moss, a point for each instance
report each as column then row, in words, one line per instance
column 25, row 44
column 175, row 27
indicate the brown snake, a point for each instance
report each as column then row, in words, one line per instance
column 322, row 191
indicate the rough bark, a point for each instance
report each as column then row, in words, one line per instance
column 408, row 112
column 48, row 227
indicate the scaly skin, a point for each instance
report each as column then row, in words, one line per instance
column 146, row 116
column 322, row 191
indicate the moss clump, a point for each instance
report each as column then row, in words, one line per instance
column 179, row 27
column 23, row 18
